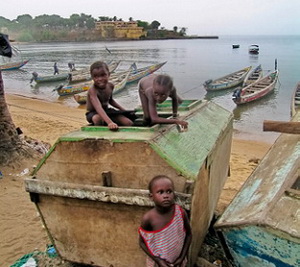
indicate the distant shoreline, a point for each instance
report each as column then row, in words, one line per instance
column 120, row 39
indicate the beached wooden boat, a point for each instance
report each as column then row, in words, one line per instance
column 256, row 90
column 13, row 65
column 118, row 80
column 91, row 188
column 231, row 80
column 254, row 49
column 260, row 227
column 295, row 104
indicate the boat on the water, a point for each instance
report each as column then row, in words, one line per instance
column 231, row 80
column 254, row 75
column 119, row 82
column 134, row 76
column 13, row 65
column 256, row 90
column 235, row 46
column 254, row 49
column 295, row 104
column 83, row 75
column 74, row 76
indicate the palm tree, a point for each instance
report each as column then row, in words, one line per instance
column 11, row 146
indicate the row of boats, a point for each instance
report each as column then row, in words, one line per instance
column 249, row 84
column 78, row 82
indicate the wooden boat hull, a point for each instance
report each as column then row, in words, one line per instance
column 260, row 227
column 51, row 78
column 229, row 81
column 74, row 76
column 256, row 90
column 91, row 188
column 234, row 46
column 134, row 76
column 295, row 103
column 84, row 75
column 253, row 76
column 13, row 65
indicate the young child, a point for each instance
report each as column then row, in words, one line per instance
column 155, row 89
column 165, row 232
column 99, row 97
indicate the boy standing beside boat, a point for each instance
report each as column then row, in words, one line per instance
column 155, row 89
column 99, row 97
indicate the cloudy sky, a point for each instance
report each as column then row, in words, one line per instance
column 200, row 17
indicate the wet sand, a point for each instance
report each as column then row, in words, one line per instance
column 20, row 226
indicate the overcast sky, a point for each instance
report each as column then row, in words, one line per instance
column 200, row 17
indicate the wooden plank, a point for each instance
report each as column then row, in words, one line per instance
column 291, row 127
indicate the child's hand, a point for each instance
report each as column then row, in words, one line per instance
column 113, row 126
column 184, row 124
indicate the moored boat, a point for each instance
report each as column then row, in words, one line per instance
column 13, row 65
column 254, row 75
column 85, row 75
column 295, row 104
column 256, row 90
column 231, row 80
column 75, row 76
column 254, row 49
column 235, row 46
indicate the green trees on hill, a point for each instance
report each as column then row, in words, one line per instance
column 78, row 27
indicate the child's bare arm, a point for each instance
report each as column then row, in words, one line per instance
column 156, row 119
column 99, row 109
column 187, row 240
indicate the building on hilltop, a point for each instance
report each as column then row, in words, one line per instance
column 120, row 29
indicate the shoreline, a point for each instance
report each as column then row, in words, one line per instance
column 21, row 227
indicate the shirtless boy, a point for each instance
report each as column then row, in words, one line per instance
column 100, row 96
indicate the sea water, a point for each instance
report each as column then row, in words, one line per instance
column 190, row 63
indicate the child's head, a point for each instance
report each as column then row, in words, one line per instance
column 100, row 74
column 161, row 190
column 162, row 85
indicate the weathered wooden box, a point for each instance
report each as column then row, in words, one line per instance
column 91, row 188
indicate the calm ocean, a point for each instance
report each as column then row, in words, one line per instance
column 189, row 62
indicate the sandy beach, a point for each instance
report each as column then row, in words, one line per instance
column 20, row 226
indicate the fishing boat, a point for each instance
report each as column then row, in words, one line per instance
column 234, row 46
column 85, row 75
column 231, row 80
column 256, row 90
column 260, row 227
column 15, row 62
column 118, row 80
column 254, row 49
column 137, row 74
column 254, row 75
column 75, row 76
column 134, row 76
column 13, row 65
column 91, row 189
column 295, row 104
